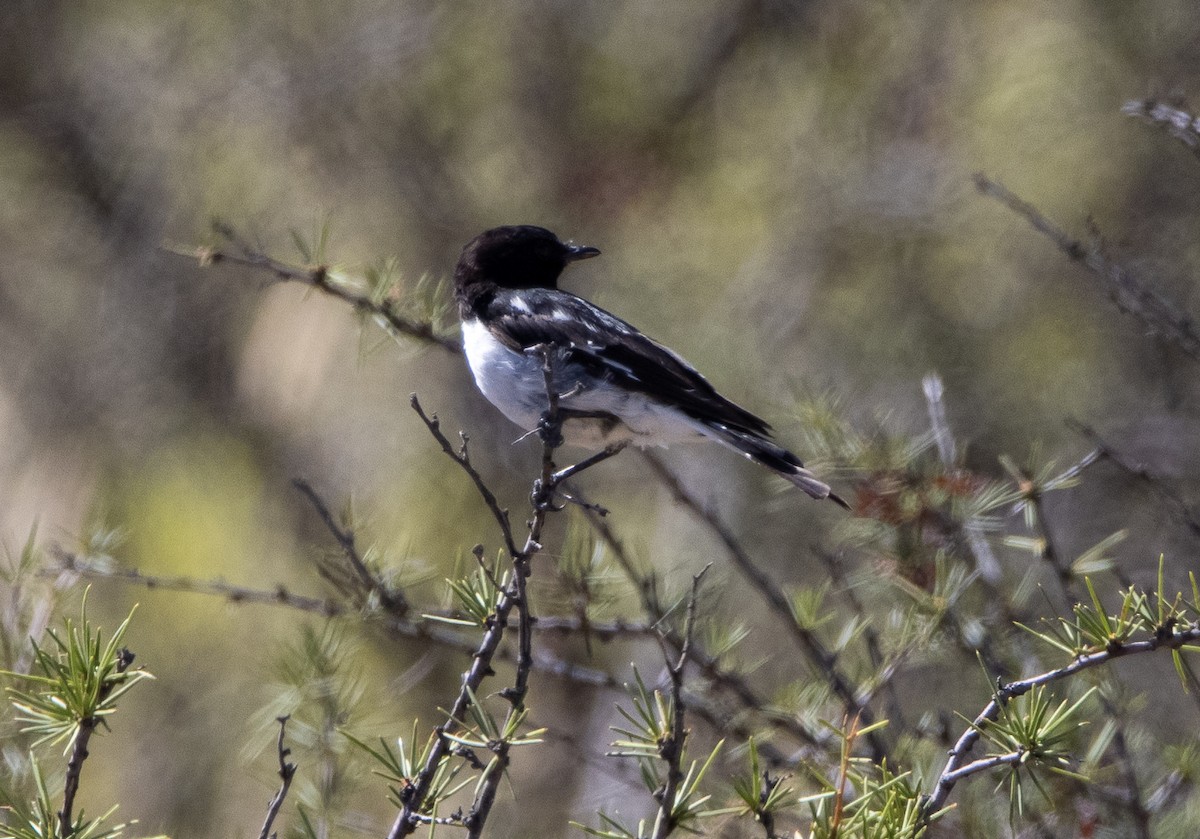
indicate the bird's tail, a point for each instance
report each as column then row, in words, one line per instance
column 777, row 459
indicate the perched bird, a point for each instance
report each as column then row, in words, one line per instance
column 615, row 385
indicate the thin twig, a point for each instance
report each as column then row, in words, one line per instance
column 611, row 630
column 1179, row 123
column 515, row 596
column 1162, row 316
column 318, row 277
column 79, row 751
column 951, row 773
column 709, row 665
column 985, row 560
column 393, row 601
column 671, row 748
column 1066, row 580
column 278, row 596
column 551, row 435
column 812, row 646
column 1177, row 508
column 286, row 772
column 462, row 457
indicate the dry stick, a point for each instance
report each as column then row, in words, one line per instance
column 79, row 752
column 514, row 597
column 413, row 796
column 709, row 665
column 286, row 772
column 670, row 750
column 423, row 630
column 547, row 483
column 1179, row 123
column 278, row 596
column 956, row 767
column 824, row 660
column 1176, row 506
column 317, row 277
column 393, row 601
column 1156, row 312
column 462, row 457
column 986, row 563
column 1062, row 570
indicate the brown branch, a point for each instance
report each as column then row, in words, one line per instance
column 1178, row 123
column 79, row 751
column 286, row 772
column 671, row 748
column 1066, row 580
column 241, row 253
column 462, row 457
column 812, row 646
column 513, row 597
column 393, row 601
column 1176, row 506
column 955, row 767
column 709, row 665
column 1160, row 315
column 542, row 498
column 278, row 596
column 426, row 630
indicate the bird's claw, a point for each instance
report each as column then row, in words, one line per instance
column 543, row 497
column 550, row 430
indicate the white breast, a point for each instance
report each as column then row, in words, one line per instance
column 514, row 383
column 510, row 380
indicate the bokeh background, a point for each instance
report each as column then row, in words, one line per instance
column 781, row 190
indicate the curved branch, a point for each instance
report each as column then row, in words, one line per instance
column 317, row 277
column 956, row 767
column 1161, row 316
column 287, row 771
column 814, row 649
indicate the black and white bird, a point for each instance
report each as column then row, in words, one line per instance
column 616, row 386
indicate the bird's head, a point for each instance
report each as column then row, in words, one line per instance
column 521, row 256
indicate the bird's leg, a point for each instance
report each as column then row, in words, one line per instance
column 543, row 493
column 588, row 462
column 550, row 424
column 549, row 428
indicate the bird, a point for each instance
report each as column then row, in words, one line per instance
column 615, row 385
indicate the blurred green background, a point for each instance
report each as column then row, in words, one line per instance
column 781, row 190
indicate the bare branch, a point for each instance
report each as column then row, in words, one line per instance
column 955, row 767
column 1176, row 506
column 1162, row 316
column 278, row 596
column 709, row 665
column 426, row 630
column 514, row 597
column 79, row 752
column 393, row 601
column 286, row 772
column 463, row 458
column 671, row 749
column 241, row 253
column 812, row 646
column 1178, row 123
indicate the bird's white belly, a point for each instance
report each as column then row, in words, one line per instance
column 515, row 384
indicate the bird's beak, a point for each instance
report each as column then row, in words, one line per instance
column 578, row 252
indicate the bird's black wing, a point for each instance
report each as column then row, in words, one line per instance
column 610, row 348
